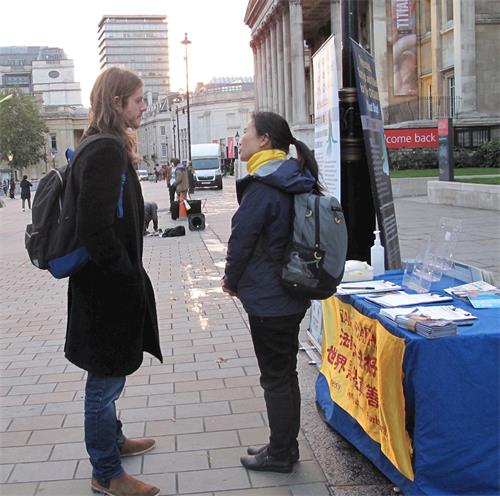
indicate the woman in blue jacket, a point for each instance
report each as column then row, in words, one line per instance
column 260, row 231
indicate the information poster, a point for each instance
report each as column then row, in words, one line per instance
column 326, row 117
column 376, row 153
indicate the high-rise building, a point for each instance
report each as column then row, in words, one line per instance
column 40, row 70
column 138, row 43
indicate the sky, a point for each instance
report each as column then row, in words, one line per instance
column 220, row 39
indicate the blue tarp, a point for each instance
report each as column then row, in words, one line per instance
column 451, row 387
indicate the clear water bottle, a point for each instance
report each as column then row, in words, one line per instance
column 377, row 255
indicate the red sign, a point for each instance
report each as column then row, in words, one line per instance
column 443, row 127
column 411, row 138
column 230, row 147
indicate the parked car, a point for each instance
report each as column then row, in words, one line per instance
column 142, row 174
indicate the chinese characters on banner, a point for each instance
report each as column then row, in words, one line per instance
column 363, row 364
column 404, row 47
column 326, row 117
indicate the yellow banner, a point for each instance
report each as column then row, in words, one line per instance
column 363, row 364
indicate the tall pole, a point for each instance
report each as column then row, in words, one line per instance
column 356, row 194
column 186, row 42
column 178, row 131
column 175, row 151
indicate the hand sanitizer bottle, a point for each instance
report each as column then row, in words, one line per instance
column 377, row 256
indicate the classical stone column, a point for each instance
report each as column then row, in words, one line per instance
column 256, row 75
column 287, row 67
column 280, row 65
column 437, row 86
column 297, row 52
column 464, row 42
column 259, row 102
column 265, row 86
column 274, row 65
column 269, row 82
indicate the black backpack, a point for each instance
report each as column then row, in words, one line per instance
column 51, row 239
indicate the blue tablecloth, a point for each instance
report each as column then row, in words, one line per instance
column 451, row 388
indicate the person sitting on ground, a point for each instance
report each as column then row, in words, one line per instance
column 150, row 214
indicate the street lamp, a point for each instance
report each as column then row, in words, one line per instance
column 187, row 42
column 175, row 151
column 237, row 141
column 237, row 172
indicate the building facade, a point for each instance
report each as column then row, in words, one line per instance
column 447, row 66
column 48, row 75
column 219, row 112
column 154, row 137
column 138, row 43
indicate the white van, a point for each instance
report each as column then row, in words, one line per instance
column 142, row 174
column 206, row 159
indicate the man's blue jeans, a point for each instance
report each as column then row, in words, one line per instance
column 103, row 431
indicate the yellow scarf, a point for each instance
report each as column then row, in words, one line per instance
column 257, row 160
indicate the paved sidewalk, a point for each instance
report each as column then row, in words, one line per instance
column 204, row 405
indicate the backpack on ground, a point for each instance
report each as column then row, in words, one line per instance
column 315, row 256
column 51, row 239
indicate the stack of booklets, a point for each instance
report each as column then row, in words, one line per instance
column 430, row 322
column 479, row 294
column 433, row 329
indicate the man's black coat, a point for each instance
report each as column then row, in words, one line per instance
column 111, row 304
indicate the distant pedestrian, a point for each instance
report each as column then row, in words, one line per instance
column 25, row 191
column 157, row 173
column 181, row 181
column 112, row 317
column 170, row 179
column 150, row 214
column 12, row 188
column 5, row 186
column 190, row 172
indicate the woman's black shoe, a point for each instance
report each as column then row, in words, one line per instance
column 264, row 462
column 255, row 450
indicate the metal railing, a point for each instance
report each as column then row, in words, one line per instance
column 422, row 108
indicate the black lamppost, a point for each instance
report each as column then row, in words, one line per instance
column 175, row 151
column 237, row 141
column 178, row 130
column 187, row 42
column 237, row 155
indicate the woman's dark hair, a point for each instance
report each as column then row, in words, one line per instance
column 25, row 177
column 281, row 138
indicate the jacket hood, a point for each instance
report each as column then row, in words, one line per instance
column 286, row 175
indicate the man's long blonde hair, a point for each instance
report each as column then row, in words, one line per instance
column 103, row 116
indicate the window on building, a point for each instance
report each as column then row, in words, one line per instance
column 450, row 90
column 162, row 130
column 163, row 149
column 425, row 16
column 449, row 10
column 53, row 142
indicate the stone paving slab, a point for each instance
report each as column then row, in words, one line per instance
column 204, row 404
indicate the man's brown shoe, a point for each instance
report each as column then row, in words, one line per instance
column 137, row 446
column 125, row 485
